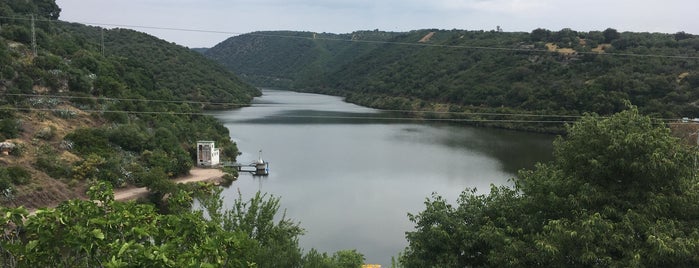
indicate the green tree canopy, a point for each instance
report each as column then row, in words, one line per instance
column 621, row 192
column 102, row 232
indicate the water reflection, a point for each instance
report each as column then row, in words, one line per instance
column 350, row 174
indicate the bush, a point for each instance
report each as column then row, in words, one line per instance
column 228, row 179
column 46, row 133
column 65, row 114
column 19, row 150
column 47, row 160
column 9, row 128
column 90, row 140
column 5, row 182
column 18, row 175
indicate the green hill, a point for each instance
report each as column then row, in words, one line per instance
column 90, row 104
column 293, row 59
column 545, row 72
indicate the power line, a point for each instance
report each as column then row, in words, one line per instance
column 33, row 37
column 343, row 40
column 366, row 41
column 305, row 116
column 378, row 118
column 395, row 43
column 261, row 105
column 123, row 99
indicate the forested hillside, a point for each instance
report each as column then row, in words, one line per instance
column 87, row 104
column 545, row 72
column 293, row 59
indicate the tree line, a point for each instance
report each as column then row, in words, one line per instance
column 563, row 72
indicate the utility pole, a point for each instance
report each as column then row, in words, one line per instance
column 33, row 37
column 102, row 40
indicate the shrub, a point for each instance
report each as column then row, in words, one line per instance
column 47, row 160
column 46, row 133
column 9, row 128
column 18, row 175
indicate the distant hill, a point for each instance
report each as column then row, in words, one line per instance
column 200, row 49
column 293, row 59
column 88, row 103
column 553, row 72
column 186, row 73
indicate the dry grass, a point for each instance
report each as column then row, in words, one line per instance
column 554, row 48
column 42, row 190
column 601, row 48
column 687, row 132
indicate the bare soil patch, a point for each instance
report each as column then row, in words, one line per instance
column 601, row 48
column 426, row 38
column 554, row 48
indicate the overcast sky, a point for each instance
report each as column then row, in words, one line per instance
column 344, row 16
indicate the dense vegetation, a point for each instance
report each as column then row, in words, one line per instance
column 94, row 108
column 620, row 192
column 292, row 59
column 103, row 233
column 544, row 72
column 110, row 105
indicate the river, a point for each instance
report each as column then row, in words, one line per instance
column 350, row 174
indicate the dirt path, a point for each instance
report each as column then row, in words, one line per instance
column 426, row 38
column 195, row 175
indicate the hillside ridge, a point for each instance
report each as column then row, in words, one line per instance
column 545, row 72
column 92, row 104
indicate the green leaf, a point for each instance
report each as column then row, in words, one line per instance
column 32, row 244
column 123, row 248
column 98, row 234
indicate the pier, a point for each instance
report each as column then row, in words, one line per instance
column 257, row 168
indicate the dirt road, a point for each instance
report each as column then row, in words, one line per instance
column 195, row 175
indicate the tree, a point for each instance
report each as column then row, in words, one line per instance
column 621, row 191
column 679, row 36
column 610, row 35
column 277, row 241
column 48, row 9
column 102, row 232
column 348, row 259
column 340, row 259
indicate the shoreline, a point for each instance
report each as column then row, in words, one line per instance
column 196, row 174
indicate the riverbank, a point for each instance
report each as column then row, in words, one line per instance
column 196, row 174
column 545, row 122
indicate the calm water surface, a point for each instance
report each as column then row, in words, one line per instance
column 350, row 174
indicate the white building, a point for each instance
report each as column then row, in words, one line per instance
column 207, row 154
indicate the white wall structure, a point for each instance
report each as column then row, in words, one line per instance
column 207, row 154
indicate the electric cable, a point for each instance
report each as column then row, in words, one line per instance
column 361, row 41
